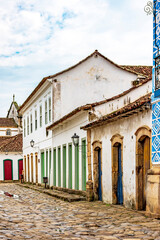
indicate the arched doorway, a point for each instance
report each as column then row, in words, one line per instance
column 97, row 170
column 143, row 163
column 117, row 169
column 7, row 166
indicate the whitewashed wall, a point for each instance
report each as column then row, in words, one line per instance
column 14, row 131
column 42, row 141
column 11, row 156
column 126, row 128
column 122, row 101
column 94, row 80
column 62, row 135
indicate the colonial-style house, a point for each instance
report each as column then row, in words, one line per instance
column 11, row 158
column 73, row 104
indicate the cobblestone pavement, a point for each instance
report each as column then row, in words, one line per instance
column 36, row 215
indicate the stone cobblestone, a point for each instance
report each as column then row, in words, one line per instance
column 36, row 215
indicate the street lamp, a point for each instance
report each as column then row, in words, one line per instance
column 32, row 143
column 75, row 140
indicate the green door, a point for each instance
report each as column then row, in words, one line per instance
column 70, row 166
column 77, row 167
column 54, row 167
column 50, row 166
column 47, row 163
column 84, row 165
column 59, row 167
column 64, row 166
column 42, row 166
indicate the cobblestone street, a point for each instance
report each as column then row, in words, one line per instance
column 36, row 215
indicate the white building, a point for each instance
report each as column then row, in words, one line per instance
column 11, row 159
column 61, row 104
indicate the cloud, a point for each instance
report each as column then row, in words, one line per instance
column 39, row 38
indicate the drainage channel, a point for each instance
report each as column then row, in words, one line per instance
column 9, row 194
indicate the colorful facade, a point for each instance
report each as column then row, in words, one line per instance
column 153, row 180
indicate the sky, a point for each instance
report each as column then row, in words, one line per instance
column 39, row 38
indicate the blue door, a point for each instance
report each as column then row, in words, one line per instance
column 99, row 176
column 119, row 184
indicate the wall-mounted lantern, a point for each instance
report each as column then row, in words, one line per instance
column 32, row 143
column 75, row 140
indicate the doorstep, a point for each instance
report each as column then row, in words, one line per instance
column 60, row 194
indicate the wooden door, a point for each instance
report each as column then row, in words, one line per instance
column 64, row 166
column 119, row 183
column 99, row 176
column 146, row 166
column 20, row 168
column 47, row 163
column 50, row 155
column 77, row 167
column 32, row 168
column 84, row 165
column 142, row 168
column 70, row 166
column 59, row 167
column 28, row 169
column 25, row 170
column 7, row 169
column 36, row 166
column 42, row 166
column 54, row 167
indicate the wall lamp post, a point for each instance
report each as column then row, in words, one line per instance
column 75, row 140
column 32, row 143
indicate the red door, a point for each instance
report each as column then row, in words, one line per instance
column 7, row 170
column 20, row 166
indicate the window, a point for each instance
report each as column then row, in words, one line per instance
column 31, row 123
column 28, row 125
column 49, row 103
column 40, row 115
column 24, row 127
column 35, row 119
column 46, row 113
column 8, row 132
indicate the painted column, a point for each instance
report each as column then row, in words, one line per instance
column 153, row 178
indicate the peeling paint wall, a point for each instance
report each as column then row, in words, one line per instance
column 126, row 128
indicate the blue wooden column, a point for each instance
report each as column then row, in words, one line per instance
column 156, row 84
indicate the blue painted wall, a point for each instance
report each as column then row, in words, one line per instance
column 155, row 94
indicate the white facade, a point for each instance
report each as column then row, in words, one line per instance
column 14, row 157
column 93, row 80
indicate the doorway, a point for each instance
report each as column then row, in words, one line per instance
column 20, row 168
column 7, row 169
column 97, row 170
column 143, row 164
column 117, row 174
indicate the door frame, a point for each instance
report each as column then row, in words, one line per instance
column 4, row 170
column 142, row 131
column 116, row 140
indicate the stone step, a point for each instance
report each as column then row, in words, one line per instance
column 65, row 196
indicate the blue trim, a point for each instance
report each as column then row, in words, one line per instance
column 157, row 93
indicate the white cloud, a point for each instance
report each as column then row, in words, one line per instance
column 43, row 37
